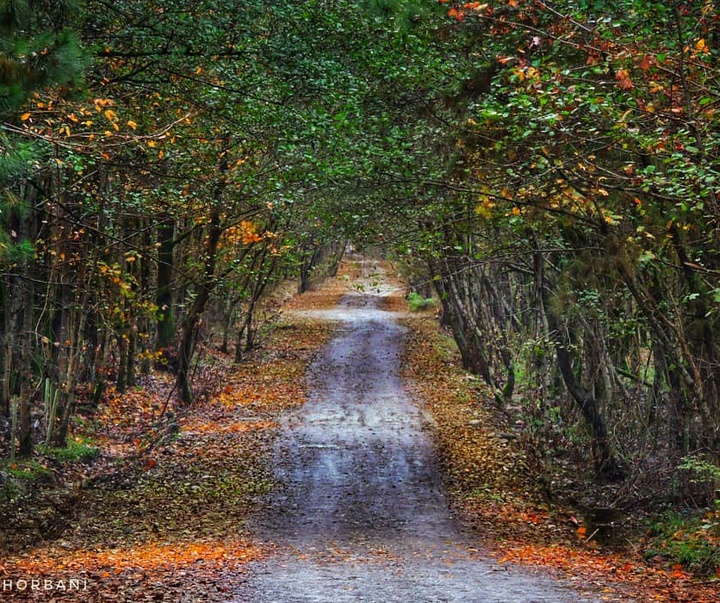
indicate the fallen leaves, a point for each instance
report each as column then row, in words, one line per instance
column 169, row 571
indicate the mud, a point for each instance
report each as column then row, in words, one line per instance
column 361, row 515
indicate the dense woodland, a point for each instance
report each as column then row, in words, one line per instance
column 547, row 170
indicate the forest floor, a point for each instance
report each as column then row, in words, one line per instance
column 174, row 507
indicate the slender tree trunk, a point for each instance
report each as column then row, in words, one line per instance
column 606, row 464
column 206, row 285
column 18, row 328
column 165, row 334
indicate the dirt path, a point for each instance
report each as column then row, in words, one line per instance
column 361, row 515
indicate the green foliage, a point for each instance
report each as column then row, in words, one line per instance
column 76, row 451
column 690, row 540
column 418, row 303
column 36, row 50
column 704, row 472
column 26, row 470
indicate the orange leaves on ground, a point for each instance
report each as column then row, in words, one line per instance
column 146, row 557
column 649, row 583
column 203, row 426
column 493, row 491
column 199, row 570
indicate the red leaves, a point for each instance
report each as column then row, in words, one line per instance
column 459, row 14
column 645, row 62
column 623, row 80
column 460, row 11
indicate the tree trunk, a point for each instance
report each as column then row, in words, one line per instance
column 206, row 285
column 606, row 464
column 165, row 333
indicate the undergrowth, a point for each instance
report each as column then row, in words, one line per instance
column 687, row 539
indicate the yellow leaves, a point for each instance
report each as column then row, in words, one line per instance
column 701, row 47
column 249, row 232
column 246, row 233
column 484, row 209
column 112, row 117
column 101, row 103
column 528, row 74
column 131, row 124
column 213, row 427
column 25, row 116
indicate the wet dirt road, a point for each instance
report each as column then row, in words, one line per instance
column 361, row 515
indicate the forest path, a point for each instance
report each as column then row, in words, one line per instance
column 361, row 515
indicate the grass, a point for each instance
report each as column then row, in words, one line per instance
column 26, row 469
column 78, row 450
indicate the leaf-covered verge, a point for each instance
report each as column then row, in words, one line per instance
column 496, row 490
column 160, row 514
